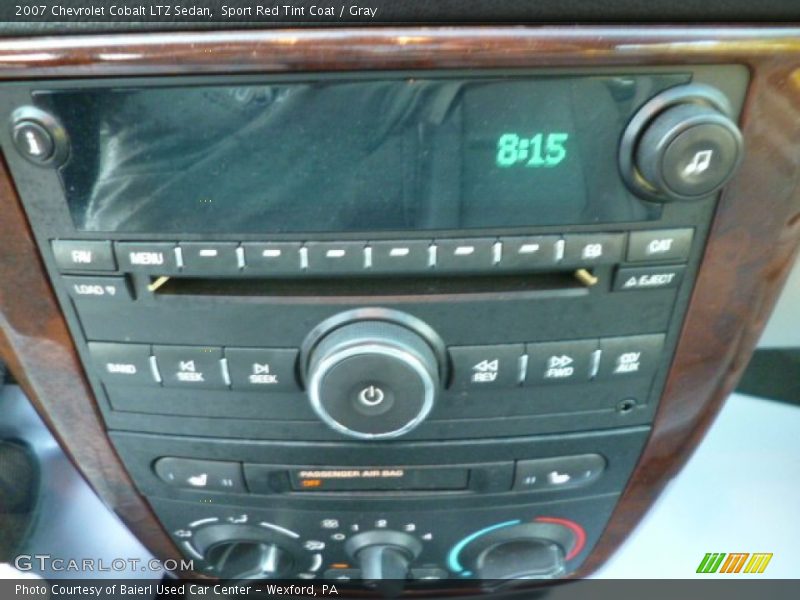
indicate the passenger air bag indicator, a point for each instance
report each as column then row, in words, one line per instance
column 365, row 479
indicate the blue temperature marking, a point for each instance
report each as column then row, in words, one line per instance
column 452, row 558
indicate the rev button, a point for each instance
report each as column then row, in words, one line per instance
column 483, row 367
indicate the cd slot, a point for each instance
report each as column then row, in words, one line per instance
column 559, row 283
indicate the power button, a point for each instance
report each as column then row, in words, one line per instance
column 38, row 136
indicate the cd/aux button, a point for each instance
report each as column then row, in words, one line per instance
column 190, row 366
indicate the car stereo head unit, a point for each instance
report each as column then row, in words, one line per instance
column 426, row 315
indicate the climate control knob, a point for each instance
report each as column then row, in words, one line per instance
column 384, row 557
column 536, row 550
column 372, row 379
column 681, row 145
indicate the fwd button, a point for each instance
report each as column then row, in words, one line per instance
column 553, row 362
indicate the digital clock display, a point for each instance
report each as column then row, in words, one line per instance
column 350, row 153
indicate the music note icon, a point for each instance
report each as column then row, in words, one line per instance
column 699, row 163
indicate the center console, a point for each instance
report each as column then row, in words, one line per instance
column 408, row 326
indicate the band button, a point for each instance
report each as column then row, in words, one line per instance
column 127, row 364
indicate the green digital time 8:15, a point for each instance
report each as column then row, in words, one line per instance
column 539, row 150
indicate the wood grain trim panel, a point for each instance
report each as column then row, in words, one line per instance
column 754, row 238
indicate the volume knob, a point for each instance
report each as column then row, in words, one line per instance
column 372, row 379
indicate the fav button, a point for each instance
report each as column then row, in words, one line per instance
column 267, row 369
column 558, row 473
column 127, row 364
column 483, row 367
column 190, row 366
column 662, row 244
column 215, row 475
column 568, row 362
column 634, row 356
column 84, row 255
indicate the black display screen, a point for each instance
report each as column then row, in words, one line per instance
column 350, row 155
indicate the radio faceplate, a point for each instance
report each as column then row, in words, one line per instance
column 555, row 339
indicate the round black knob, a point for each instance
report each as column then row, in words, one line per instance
column 372, row 379
column 681, row 145
column 39, row 137
column 535, row 550
column 249, row 552
column 384, row 557
column 239, row 559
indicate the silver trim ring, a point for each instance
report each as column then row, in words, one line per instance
column 326, row 364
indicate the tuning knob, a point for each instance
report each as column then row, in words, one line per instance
column 537, row 550
column 372, row 379
column 681, row 145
